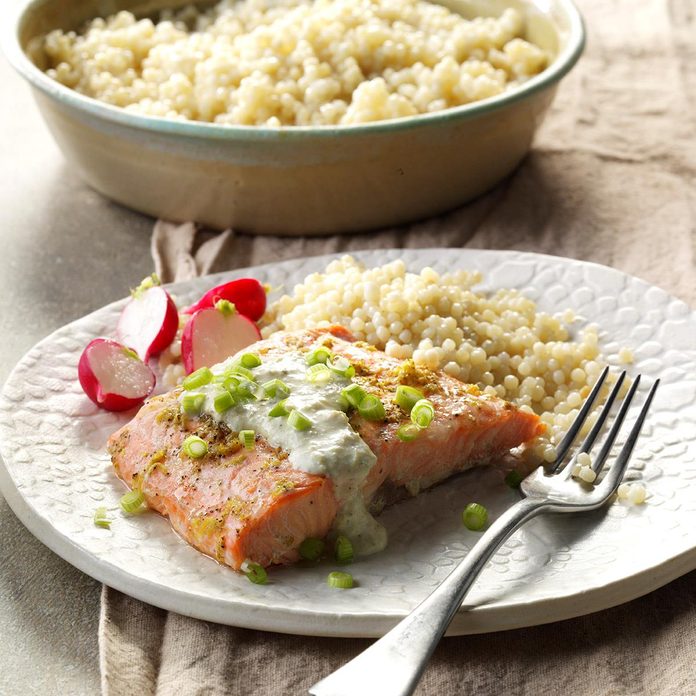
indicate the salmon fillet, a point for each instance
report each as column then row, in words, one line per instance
column 235, row 505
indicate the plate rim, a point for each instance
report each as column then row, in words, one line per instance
column 480, row 619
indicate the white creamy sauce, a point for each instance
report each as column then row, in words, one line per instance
column 330, row 447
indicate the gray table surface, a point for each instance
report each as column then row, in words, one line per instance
column 67, row 252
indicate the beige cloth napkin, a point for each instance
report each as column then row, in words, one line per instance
column 611, row 179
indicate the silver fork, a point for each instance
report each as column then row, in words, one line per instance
column 394, row 664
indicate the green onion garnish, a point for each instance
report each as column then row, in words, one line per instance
column 475, row 517
column 341, row 367
column 192, row 403
column 238, row 370
column 255, row 573
column 354, row 393
column 276, row 387
column 343, row 550
column 248, row 439
column 340, row 580
column 195, row 447
column 311, row 549
column 407, row 397
column 298, row 420
column 197, row 379
column 130, row 354
column 343, row 403
column 408, row 432
column 249, row 388
column 319, row 355
column 258, row 392
column 145, row 285
column 250, row 360
column 422, row 413
column 225, row 307
column 514, row 478
column 230, row 382
column 319, row 374
column 223, row 402
column 100, row 518
column 279, row 410
column 371, row 408
column 132, row 502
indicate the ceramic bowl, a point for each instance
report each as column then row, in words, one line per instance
column 292, row 180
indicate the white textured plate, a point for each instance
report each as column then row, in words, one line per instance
column 56, row 473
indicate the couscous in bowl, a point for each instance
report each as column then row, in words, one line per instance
column 337, row 175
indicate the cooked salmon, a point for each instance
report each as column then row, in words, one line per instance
column 236, row 504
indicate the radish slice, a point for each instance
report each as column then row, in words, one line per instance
column 149, row 322
column 213, row 334
column 113, row 376
column 246, row 294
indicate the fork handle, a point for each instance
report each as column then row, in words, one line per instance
column 393, row 665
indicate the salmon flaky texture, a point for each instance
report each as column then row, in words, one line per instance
column 239, row 505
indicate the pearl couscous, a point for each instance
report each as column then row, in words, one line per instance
column 295, row 62
column 499, row 341
column 583, row 468
column 632, row 493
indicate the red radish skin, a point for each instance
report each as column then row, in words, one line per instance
column 113, row 377
column 149, row 322
column 246, row 294
column 210, row 336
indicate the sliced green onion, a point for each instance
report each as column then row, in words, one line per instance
column 319, row 374
column 311, row 549
column 247, row 387
column 225, row 307
column 343, row 403
column 238, row 370
column 255, row 573
column 132, row 502
column 340, row 580
column 192, row 403
column 319, row 355
column 230, row 382
column 100, row 518
column 408, row 432
column 276, row 387
column 514, row 478
column 250, row 360
column 130, row 354
column 342, row 367
column 475, row 517
column 298, row 420
column 220, row 377
column 197, row 379
column 248, row 439
column 354, row 393
column 223, row 402
column 343, row 550
column 279, row 409
column 195, row 447
column 407, row 397
column 422, row 413
column 258, row 392
column 371, row 408
column 145, row 285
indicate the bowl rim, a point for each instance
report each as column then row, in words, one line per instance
column 11, row 19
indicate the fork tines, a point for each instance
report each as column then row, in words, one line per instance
column 600, row 459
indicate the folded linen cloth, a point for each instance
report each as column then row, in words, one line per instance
column 610, row 179
column 643, row 647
